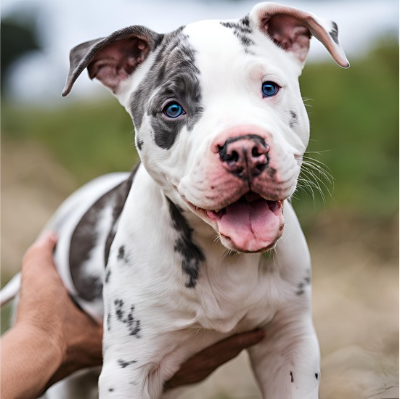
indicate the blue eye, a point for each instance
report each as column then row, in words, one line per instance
column 173, row 110
column 270, row 89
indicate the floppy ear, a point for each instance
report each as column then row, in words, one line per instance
column 291, row 29
column 114, row 58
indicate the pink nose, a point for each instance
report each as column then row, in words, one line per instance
column 245, row 156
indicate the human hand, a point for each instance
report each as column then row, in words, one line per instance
column 46, row 309
column 201, row 365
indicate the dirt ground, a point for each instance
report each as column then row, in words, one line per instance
column 355, row 284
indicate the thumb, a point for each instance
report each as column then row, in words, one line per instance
column 40, row 252
column 47, row 240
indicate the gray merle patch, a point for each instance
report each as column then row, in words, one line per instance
column 192, row 256
column 173, row 75
column 334, row 32
column 84, row 239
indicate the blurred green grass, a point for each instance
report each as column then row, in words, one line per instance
column 354, row 127
column 354, row 124
column 88, row 139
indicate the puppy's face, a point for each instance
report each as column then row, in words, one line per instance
column 219, row 119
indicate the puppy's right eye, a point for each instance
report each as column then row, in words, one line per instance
column 173, row 110
column 270, row 89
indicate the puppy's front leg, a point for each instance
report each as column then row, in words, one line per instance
column 133, row 343
column 286, row 362
column 129, row 357
column 124, row 379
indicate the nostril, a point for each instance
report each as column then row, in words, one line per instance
column 229, row 157
column 233, row 157
column 259, row 149
column 261, row 167
column 255, row 152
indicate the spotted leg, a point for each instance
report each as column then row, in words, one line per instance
column 286, row 362
column 133, row 344
column 131, row 356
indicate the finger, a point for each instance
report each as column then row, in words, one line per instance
column 205, row 362
column 229, row 347
column 243, row 340
column 47, row 240
column 41, row 251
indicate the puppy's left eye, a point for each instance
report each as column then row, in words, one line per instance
column 173, row 110
column 270, row 89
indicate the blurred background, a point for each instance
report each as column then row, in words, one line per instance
column 51, row 146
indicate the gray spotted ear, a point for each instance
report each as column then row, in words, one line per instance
column 114, row 58
column 291, row 29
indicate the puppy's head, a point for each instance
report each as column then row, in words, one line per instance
column 220, row 123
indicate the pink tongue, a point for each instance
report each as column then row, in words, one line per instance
column 251, row 226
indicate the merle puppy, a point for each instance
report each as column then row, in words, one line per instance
column 177, row 255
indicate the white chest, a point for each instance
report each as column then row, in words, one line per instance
column 240, row 292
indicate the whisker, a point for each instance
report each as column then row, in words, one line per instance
column 315, row 176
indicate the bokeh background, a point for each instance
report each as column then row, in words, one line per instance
column 51, row 146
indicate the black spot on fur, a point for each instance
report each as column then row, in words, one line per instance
column 242, row 30
column 334, row 32
column 121, row 252
column 303, row 284
column 317, row 376
column 301, row 287
column 173, row 75
column 192, row 256
column 139, row 144
column 119, row 303
column 111, row 389
column 292, row 377
column 245, row 20
column 246, row 41
column 107, row 278
column 123, row 364
column 294, row 119
column 122, row 255
column 108, row 321
column 133, row 324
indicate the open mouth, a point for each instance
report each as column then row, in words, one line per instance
column 251, row 224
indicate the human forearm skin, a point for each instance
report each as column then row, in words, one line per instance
column 28, row 360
